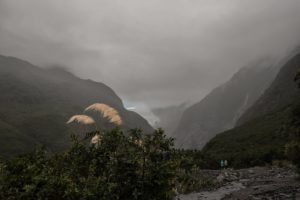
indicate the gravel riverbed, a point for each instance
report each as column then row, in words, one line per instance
column 265, row 183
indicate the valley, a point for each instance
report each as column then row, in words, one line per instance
column 150, row 100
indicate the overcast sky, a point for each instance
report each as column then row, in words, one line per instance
column 151, row 52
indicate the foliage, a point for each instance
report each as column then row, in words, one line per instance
column 293, row 147
column 189, row 174
column 257, row 142
column 293, row 152
column 123, row 166
column 193, row 181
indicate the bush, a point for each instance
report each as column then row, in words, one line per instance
column 293, row 152
column 293, row 147
column 122, row 166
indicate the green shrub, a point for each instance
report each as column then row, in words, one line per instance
column 118, row 168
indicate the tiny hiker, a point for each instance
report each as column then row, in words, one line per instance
column 222, row 164
column 225, row 163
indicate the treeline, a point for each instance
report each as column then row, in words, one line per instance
column 119, row 166
column 270, row 139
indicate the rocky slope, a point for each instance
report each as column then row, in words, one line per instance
column 251, row 184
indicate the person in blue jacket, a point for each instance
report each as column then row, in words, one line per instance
column 222, row 164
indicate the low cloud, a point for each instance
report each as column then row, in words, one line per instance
column 153, row 53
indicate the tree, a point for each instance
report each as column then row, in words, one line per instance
column 122, row 166
column 293, row 148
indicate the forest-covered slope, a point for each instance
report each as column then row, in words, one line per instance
column 35, row 104
column 266, row 126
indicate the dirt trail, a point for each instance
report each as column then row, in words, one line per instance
column 252, row 184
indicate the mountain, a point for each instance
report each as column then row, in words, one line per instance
column 265, row 128
column 221, row 108
column 282, row 92
column 35, row 104
column 169, row 117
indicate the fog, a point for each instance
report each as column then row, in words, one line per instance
column 153, row 53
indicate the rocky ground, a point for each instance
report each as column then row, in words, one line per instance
column 251, row 184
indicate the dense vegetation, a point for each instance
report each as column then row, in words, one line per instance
column 258, row 142
column 122, row 166
column 293, row 147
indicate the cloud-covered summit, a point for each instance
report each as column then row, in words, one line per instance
column 155, row 52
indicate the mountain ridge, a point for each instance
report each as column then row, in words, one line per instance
column 265, row 129
column 223, row 106
column 36, row 103
column 273, row 100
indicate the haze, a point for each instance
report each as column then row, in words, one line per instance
column 153, row 53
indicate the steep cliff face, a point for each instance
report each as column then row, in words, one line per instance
column 35, row 104
column 220, row 110
column 266, row 127
column 281, row 93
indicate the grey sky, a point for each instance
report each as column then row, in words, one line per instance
column 151, row 52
